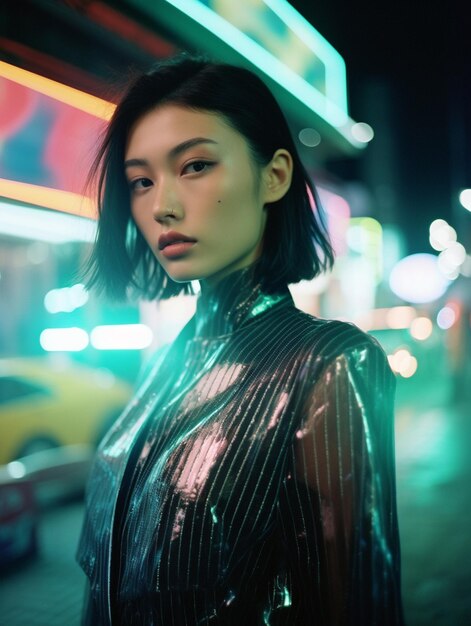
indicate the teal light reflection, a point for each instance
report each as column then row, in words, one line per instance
column 330, row 103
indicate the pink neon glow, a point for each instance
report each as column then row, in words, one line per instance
column 338, row 214
column 194, row 467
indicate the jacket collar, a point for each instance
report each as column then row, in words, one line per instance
column 234, row 300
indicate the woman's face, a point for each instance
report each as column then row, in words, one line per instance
column 190, row 172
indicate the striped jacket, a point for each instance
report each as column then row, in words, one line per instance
column 251, row 479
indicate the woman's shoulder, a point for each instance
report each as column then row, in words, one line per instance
column 329, row 338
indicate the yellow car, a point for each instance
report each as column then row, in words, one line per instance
column 46, row 403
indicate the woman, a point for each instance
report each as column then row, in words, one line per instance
column 251, row 478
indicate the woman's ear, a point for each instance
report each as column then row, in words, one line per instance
column 277, row 176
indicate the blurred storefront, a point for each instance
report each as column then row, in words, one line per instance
column 63, row 65
column 67, row 356
column 62, row 62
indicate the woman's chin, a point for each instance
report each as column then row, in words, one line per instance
column 183, row 276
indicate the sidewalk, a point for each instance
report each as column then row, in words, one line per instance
column 47, row 590
column 433, row 477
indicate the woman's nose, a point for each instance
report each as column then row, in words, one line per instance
column 162, row 216
column 165, row 203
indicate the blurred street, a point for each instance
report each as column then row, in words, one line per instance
column 47, row 590
column 377, row 101
column 434, row 471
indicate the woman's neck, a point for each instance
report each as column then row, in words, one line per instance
column 230, row 302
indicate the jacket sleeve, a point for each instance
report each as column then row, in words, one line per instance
column 338, row 505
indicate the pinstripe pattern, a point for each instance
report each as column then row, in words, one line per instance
column 251, row 479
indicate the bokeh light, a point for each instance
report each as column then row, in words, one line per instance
column 409, row 368
column 418, row 279
column 447, row 267
column 400, row 316
column 16, row 469
column 403, row 363
column 121, row 337
column 465, row 269
column 362, row 132
column 63, row 339
column 455, row 253
column 452, row 253
column 446, row 317
column 65, row 300
column 465, row 199
column 309, row 137
column 421, row 328
column 441, row 235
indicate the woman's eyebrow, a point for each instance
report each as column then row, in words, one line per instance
column 189, row 143
column 174, row 152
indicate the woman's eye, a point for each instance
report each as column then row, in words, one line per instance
column 197, row 166
column 139, row 183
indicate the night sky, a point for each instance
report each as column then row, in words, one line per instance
column 418, row 54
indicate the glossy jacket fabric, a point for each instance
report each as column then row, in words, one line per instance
column 251, row 479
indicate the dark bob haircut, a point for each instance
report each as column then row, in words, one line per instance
column 295, row 243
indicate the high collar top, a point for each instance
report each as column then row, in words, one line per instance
column 251, row 477
column 234, row 300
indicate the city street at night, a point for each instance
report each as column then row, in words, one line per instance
column 232, row 235
column 433, row 472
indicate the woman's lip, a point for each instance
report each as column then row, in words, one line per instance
column 177, row 249
column 170, row 237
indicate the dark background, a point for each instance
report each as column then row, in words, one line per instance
column 408, row 70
